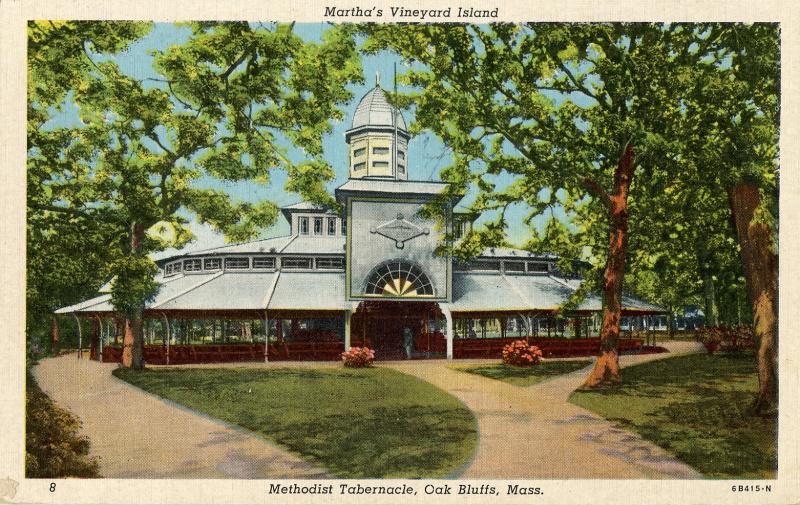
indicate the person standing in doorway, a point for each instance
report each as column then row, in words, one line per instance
column 408, row 341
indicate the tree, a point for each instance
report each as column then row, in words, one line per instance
column 226, row 106
column 738, row 144
column 74, row 241
column 580, row 108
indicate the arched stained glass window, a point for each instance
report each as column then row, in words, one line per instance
column 398, row 278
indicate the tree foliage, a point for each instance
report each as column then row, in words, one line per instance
column 227, row 104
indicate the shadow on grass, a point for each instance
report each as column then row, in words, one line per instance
column 697, row 408
column 364, row 423
column 526, row 376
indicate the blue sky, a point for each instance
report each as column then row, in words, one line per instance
column 427, row 155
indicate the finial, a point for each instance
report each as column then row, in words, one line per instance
column 377, row 79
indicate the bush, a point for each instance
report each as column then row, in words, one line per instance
column 519, row 353
column 358, row 357
column 53, row 447
column 726, row 338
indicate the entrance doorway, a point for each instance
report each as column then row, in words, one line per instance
column 383, row 326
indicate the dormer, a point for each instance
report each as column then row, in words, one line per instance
column 306, row 219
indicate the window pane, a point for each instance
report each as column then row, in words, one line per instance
column 263, row 262
column 331, row 226
column 177, row 267
column 344, row 226
column 398, row 279
column 304, row 225
column 296, row 263
column 317, row 226
column 401, row 155
column 380, row 150
column 537, row 266
column 330, row 263
column 212, row 264
column 514, row 266
column 484, row 265
column 359, row 152
column 192, row 265
column 359, row 166
column 401, row 169
column 380, row 164
column 237, row 263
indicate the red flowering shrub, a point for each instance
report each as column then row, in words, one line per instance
column 519, row 353
column 726, row 338
column 358, row 357
column 710, row 337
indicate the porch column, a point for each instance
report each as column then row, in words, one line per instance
column 448, row 331
column 266, row 337
column 102, row 336
column 166, row 336
column 347, row 315
column 80, row 336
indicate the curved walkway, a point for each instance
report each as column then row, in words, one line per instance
column 535, row 432
column 138, row 435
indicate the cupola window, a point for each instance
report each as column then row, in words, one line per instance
column 296, row 263
column 514, row 266
column 264, row 262
column 538, row 267
column 212, row 264
column 330, row 263
column 237, row 263
column 193, row 265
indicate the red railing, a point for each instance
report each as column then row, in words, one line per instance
column 227, row 353
column 331, row 350
column 551, row 347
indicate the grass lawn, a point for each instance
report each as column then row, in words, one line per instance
column 524, row 376
column 695, row 407
column 357, row 423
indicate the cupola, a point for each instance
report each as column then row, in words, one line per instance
column 378, row 138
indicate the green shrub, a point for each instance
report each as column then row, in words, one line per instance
column 53, row 447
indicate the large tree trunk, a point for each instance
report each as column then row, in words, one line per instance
column 761, row 273
column 133, row 340
column 606, row 368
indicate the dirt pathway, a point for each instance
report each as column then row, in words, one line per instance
column 138, row 435
column 536, row 433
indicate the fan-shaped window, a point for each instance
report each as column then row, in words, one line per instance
column 398, row 278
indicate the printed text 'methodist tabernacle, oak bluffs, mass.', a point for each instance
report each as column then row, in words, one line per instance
column 403, row 12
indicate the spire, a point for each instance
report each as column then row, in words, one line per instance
column 377, row 79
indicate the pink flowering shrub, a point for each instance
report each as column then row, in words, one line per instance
column 358, row 357
column 519, row 353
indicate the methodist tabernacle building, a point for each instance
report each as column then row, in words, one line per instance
column 368, row 276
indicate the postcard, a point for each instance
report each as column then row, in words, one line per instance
column 398, row 253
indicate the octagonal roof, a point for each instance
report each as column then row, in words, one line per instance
column 374, row 110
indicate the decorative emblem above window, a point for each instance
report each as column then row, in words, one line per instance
column 400, row 230
column 398, row 278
